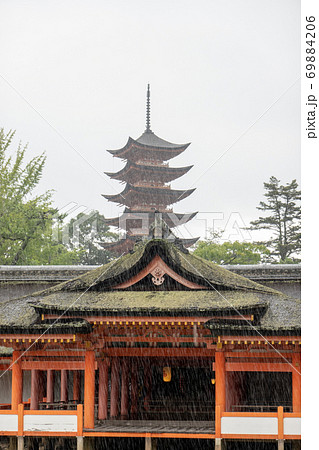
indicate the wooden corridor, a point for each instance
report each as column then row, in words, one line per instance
column 154, row 426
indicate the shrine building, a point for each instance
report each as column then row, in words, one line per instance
column 156, row 349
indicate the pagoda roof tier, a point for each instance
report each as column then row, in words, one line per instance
column 132, row 173
column 150, row 196
column 126, row 245
column 132, row 219
column 149, row 147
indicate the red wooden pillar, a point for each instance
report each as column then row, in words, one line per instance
column 220, row 381
column 134, row 388
column 76, row 385
column 50, row 386
column 232, row 390
column 89, row 389
column 17, row 380
column 35, row 389
column 296, row 382
column 42, row 390
column 125, row 389
column 147, row 384
column 103, row 390
column 64, row 385
column 115, row 387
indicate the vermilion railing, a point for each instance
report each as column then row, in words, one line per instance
column 37, row 423
column 257, row 425
column 228, row 425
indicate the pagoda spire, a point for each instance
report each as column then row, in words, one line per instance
column 148, row 110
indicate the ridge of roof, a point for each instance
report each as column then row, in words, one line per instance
column 179, row 260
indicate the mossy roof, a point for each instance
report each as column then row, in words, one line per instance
column 184, row 263
column 151, row 302
column 282, row 313
column 92, row 293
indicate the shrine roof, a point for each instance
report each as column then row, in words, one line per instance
column 283, row 314
column 177, row 257
column 150, row 303
column 223, row 292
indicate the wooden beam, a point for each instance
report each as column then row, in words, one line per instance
column 258, row 367
column 161, row 352
column 139, row 320
column 257, row 338
column 53, row 365
column 266, row 354
column 26, row 338
column 55, row 353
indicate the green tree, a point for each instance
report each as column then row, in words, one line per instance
column 26, row 220
column 231, row 252
column 86, row 232
column 282, row 219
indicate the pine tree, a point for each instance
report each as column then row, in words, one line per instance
column 283, row 214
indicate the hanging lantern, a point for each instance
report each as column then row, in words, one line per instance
column 167, row 374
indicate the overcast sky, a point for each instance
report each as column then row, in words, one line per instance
column 214, row 67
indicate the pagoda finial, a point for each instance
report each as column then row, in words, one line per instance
column 148, row 109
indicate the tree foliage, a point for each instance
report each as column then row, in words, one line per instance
column 231, row 252
column 85, row 232
column 282, row 219
column 26, row 220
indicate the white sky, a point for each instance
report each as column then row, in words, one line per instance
column 214, row 68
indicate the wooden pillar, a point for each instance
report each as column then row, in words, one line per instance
column 42, row 389
column 64, row 385
column 134, row 389
column 103, row 390
column 17, row 381
column 20, row 442
column 76, row 385
column 50, row 386
column 233, row 389
column 79, row 441
column 281, row 444
column 115, row 388
column 35, row 380
column 89, row 389
column 220, row 444
column 220, row 381
column 125, row 389
column 296, row 382
column 147, row 384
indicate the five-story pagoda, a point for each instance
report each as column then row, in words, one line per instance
column 147, row 192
